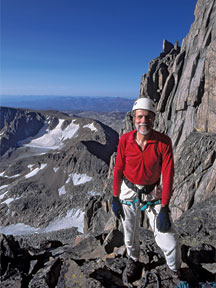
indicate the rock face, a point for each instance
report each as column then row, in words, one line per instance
column 17, row 124
column 181, row 80
column 194, row 173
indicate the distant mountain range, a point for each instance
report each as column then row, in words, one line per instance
column 62, row 103
column 52, row 164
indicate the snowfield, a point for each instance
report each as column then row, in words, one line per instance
column 73, row 218
column 79, row 179
column 90, row 126
column 3, row 186
column 52, row 139
column 35, row 171
column 2, row 195
column 8, row 201
column 62, row 191
column 5, row 176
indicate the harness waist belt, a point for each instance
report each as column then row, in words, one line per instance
column 147, row 189
column 146, row 204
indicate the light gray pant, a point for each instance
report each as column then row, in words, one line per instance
column 168, row 242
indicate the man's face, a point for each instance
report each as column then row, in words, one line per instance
column 144, row 121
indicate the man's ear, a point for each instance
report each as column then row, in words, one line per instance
column 134, row 114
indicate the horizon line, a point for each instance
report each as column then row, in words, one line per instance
column 51, row 95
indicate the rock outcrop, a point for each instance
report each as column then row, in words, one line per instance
column 98, row 259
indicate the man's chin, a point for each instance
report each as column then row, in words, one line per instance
column 144, row 133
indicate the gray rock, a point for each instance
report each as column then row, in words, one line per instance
column 47, row 276
column 17, row 124
column 194, row 172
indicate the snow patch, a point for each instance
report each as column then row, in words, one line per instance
column 52, row 139
column 14, row 176
column 35, row 171
column 30, row 166
column 79, row 179
column 70, row 131
column 2, row 195
column 3, row 186
column 93, row 193
column 1, row 174
column 90, row 126
column 18, row 229
column 55, row 169
column 62, row 191
column 74, row 218
column 8, row 201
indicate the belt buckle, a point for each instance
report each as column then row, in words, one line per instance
column 140, row 187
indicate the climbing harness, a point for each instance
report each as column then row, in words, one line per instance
column 146, row 189
column 183, row 284
column 145, row 204
column 207, row 284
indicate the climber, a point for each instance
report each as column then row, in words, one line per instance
column 143, row 155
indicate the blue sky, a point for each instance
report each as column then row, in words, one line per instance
column 85, row 47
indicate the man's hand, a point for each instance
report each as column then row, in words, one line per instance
column 117, row 208
column 163, row 221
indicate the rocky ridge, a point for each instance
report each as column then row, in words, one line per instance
column 57, row 167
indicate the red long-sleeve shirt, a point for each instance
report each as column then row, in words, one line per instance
column 145, row 167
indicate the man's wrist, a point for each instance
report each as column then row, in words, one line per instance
column 115, row 198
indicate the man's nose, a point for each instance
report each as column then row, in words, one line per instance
column 144, row 118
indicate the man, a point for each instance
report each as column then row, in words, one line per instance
column 143, row 155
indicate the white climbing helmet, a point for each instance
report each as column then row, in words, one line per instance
column 144, row 103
